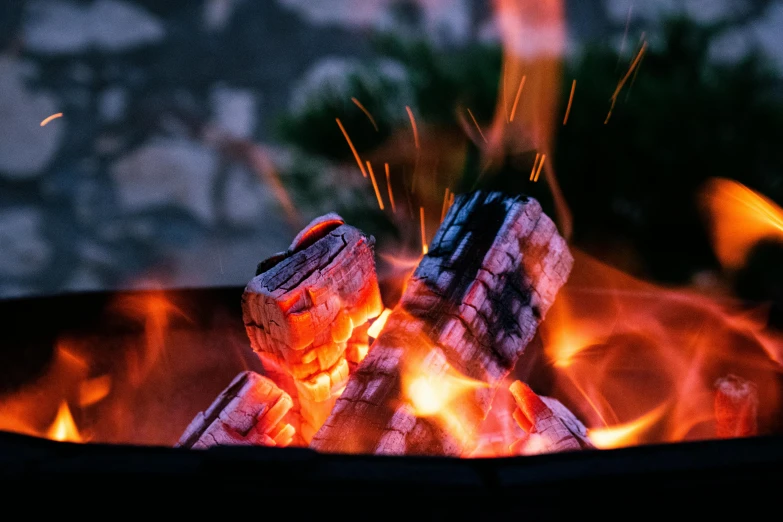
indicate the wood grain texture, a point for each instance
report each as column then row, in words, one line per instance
column 470, row 308
column 306, row 313
column 249, row 412
column 551, row 427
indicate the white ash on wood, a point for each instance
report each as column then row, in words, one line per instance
column 471, row 307
column 249, row 412
column 306, row 315
column 551, row 427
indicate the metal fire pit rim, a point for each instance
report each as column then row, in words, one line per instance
column 718, row 454
column 702, row 477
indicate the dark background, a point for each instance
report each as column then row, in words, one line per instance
column 128, row 190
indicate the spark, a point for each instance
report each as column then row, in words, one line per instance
column 625, row 79
column 375, row 185
column 353, row 149
column 540, row 166
column 445, row 205
column 424, row 248
column 388, row 185
column 535, row 164
column 366, row 112
column 477, row 126
column 504, row 86
column 516, row 99
column 635, row 74
column 570, row 101
column 52, row 117
column 413, row 125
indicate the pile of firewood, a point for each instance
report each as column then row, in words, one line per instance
column 470, row 308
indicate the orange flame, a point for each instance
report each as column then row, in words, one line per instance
column 637, row 362
column 154, row 311
column 110, row 397
column 30, row 408
column 92, row 391
column 533, row 35
column 740, row 218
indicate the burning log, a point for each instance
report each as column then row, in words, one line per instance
column 249, row 412
column 551, row 426
column 467, row 314
column 736, row 407
column 306, row 311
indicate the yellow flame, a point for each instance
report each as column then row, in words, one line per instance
column 740, row 218
column 433, row 395
column 441, row 398
column 625, row 434
column 63, row 428
column 427, row 396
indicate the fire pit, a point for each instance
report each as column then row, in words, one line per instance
column 135, row 367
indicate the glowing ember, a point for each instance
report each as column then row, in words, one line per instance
column 379, row 323
column 50, row 118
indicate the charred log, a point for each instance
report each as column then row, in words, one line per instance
column 471, row 307
column 306, row 312
column 249, row 412
column 736, row 407
column 551, row 427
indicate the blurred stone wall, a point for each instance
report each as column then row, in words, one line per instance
column 151, row 176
